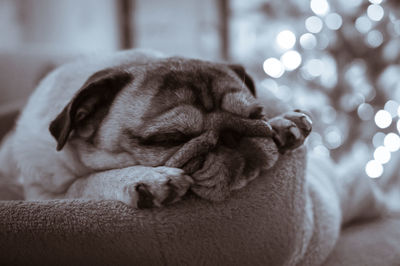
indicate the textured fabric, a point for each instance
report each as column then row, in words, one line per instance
column 370, row 243
column 247, row 229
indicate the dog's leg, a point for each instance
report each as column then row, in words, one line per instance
column 137, row 186
column 356, row 195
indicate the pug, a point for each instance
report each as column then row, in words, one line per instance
column 145, row 129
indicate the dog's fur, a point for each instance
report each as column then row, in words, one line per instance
column 144, row 129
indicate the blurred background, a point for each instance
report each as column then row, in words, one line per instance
column 339, row 59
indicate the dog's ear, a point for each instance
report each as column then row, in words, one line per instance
column 92, row 100
column 241, row 72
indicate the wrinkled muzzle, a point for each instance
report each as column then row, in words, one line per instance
column 229, row 154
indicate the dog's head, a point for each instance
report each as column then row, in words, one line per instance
column 191, row 114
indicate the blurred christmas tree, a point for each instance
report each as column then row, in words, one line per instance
column 338, row 59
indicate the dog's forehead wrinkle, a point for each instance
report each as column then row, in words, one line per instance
column 207, row 81
column 177, row 87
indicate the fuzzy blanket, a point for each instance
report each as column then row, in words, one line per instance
column 248, row 229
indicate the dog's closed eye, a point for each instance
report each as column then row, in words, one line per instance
column 169, row 139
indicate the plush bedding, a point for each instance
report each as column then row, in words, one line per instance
column 247, row 229
column 243, row 230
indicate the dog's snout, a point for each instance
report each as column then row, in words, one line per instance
column 230, row 138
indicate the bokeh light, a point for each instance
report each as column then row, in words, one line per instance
column 321, row 150
column 273, row 67
column 396, row 27
column 314, row 67
column 308, row 41
column 283, row 93
column 365, row 111
column 286, row 39
column 374, row 169
column 345, row 61
column 363, row 24
column 382, row 155
column 392, row 107
column 333, row 21
column 313, row 24
column 333, row 137
column 398, row 126
column 328, row 114
column 375, row 12
column 329, row 73
column 374, row 38
column 323, row 41
column 392, row 142
column 319, row 7
column 383, row 119
column 392, row 50
column 378, row 139
column 375, row 1
column 291, row 60
column 350, row 101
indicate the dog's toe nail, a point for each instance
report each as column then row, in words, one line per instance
column 295, row 132
column 307, row 120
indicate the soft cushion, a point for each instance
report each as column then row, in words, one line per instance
column 243, row 230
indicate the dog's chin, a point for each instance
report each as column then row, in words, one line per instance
column 224, row 169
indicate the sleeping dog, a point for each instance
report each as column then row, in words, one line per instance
column 144, row 129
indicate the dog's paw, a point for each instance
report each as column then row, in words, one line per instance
column 159, row 186
column 290, row 130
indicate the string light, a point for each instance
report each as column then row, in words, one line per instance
column 382, row 155
column 333, row 137
column 378, row 138
column 328, row 114
column 375, row 12
column 374, row 169
column 396, row 27
column 308, row 41
column 346, row 4
column 286, row 39
column 392, row 107
column 365, row 111
column 291, row 60
column 383, row 119
column 273, row 67
column 333, row 21
column 363, row 24
column 374, row 38
column 392, row 142
column 314, row 67
column 323, row 41
column 319, row 7
column 321, row 150
column 398, row 126
column 313, row 24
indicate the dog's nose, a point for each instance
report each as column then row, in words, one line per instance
column 230, row 138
